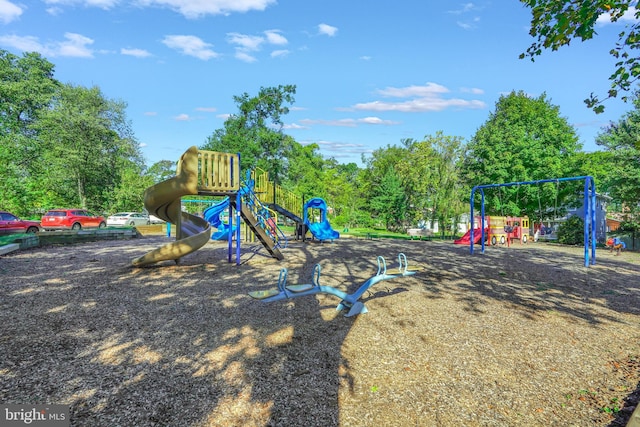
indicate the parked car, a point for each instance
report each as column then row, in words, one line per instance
column 11, row 224
column 155, row 220
column 71, row 219
column 121, row 219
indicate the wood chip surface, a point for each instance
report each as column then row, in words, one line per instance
column 520, row 336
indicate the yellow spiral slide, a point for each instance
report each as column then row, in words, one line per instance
column 163, row 201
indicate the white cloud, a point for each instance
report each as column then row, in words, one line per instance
column 365, row 58
column 464, row 8
column 341, row 149
column 244, row 56
column 430, row 89
column 182, row 117
column 102, row 4
column 207, row 109
column 274, row 37
column 327, row 30
column 348, row 122
column 150, row 113
column 9, row 12
column 421, row 98
column 191, row 46
column 138, row 53
column 473, row 90
column 200, row 8
column 293, row 126
column 75, row 45
column 54, row 11
column 279, row 53
column 23, row 43
column 419, row 105
column 628, row 16
column 244, row 41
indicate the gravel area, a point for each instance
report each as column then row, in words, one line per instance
column 520, row 336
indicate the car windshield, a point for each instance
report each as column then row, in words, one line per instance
column 56, row 213
column 121, row 214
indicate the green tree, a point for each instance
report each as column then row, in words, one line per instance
column 524, row 139
column 571, row 232
column 598, row 164
column 620, row 139
column 87, row 142
column 389, row 201
column 27, row 87
column 341, row 182
column 161, row 171
column 383, row 187
column 128, row 195
column 256, row 131
column 305, row 171
column 431, row 177
column 555, row 23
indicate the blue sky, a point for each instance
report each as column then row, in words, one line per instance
column 368, row 73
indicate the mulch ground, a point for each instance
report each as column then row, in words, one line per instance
column 515, row 336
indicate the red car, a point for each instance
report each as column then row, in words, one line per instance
column 11, row 224
column 71, row 219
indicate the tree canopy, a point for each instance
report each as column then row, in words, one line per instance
column 255, row 131
column 620, row 139
column 555, row 23
column 63, row 145
column 524, row 139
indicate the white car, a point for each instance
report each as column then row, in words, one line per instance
column 127, row 219
column 155, row 220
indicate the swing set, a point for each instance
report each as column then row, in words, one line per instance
column 589, row 211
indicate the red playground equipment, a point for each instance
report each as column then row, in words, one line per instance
column 498, row 231
column 517, row 228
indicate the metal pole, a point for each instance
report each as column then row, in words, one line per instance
column 587, row 217
column 589, row 208
column 471, row 219
column 593, row 220
column 482, row 212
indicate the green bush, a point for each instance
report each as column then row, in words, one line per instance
column 571, row 232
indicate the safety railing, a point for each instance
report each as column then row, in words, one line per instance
column 218, row 172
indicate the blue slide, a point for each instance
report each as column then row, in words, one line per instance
column 212, row 215
column 321, row 230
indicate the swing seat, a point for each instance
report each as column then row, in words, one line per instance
column 299, row 288
column 264, row 294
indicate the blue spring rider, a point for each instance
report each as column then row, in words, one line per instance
column 348, row 301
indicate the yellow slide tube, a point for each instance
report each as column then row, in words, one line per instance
column 163, row 201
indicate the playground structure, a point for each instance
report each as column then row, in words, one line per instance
column 320, row 230
column 589, row 214
column 212, row 215
column 616, row 245
column 348, row 301
column 517, row 228
column 499, row 230
column 254, row 201
column 205, row 173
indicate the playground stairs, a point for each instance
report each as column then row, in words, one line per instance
column 260, row 233
column 269, row 193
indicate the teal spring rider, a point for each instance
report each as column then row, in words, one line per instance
column 348, row 301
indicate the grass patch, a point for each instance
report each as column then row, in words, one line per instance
column 11, row 238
